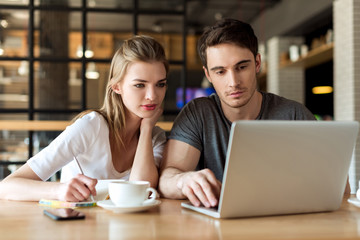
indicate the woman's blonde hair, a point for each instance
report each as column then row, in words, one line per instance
column 139, row 48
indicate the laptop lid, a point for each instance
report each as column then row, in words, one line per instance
column 285, row 167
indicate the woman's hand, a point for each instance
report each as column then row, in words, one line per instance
column 151, row 121
column 77, row 189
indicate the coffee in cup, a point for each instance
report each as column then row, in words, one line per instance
column 131, row 193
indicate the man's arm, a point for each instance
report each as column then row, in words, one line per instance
column 178, row 179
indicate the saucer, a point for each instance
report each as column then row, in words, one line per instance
column 354, row 201
column 109, row 205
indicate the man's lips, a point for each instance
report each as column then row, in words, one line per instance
column 236, row 94
column 149, row 106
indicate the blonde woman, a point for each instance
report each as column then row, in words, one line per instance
column 118, row 141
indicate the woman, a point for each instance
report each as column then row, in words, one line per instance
column 118, row 141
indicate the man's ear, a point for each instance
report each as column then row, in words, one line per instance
column 207, row 74
column 258, row 62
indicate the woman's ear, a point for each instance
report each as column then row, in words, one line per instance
column 116, row 87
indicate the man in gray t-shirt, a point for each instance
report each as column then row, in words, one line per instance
column 195, row 155
column 203, row 125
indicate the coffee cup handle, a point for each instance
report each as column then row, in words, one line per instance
column 153, row 195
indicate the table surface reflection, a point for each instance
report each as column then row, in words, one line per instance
column 25, row 220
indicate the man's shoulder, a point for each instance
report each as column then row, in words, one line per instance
column 209, row 100
column 203, row 104
column 273, row 99
column 197, row 110
column 278, row 107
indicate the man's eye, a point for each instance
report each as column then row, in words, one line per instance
column 140, row 85
column 220, row 72
column 242, row 67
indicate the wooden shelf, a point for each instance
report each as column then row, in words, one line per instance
column 315, row 57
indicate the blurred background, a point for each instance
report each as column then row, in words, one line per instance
column 55, row 57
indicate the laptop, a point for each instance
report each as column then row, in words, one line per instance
column 284, row 167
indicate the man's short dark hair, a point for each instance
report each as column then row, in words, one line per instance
column 227, row 31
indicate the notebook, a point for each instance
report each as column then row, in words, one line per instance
column 284, row 167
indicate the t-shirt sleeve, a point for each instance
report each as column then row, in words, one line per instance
column 158, row 142
column 304, row 113
column 75, row 139
column 187, row 126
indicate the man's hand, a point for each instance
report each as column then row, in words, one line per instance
column 200, row 187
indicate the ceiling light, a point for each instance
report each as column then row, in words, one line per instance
column 88, row 52
column 322, row 90
column 91, row 72
column 23, row 69
column 4, row 23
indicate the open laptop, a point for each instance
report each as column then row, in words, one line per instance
column 284, row 167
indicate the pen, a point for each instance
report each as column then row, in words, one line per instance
column 91, row 196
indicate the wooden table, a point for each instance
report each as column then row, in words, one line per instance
column 42, row 125
column 25, row 220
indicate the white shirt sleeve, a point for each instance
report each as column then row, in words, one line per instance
column 158, row 141
column 75, row 139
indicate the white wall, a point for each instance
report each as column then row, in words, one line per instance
column 347, row 72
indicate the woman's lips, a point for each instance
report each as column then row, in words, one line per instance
column 149, row 107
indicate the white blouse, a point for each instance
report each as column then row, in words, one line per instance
column 87, row 139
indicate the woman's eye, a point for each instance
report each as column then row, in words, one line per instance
column 140, row 85
column 162, row 85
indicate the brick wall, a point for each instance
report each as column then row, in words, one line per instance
column 287, row 82
column 347, row 72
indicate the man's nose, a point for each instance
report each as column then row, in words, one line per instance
column 233, row 79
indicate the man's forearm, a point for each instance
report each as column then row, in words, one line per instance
column 168, row 183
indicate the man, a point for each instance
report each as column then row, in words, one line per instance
column 195, row 154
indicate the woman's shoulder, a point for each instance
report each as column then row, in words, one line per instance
column 92, row 120
column 158, row 134
column 157, row 131
column 93, row 117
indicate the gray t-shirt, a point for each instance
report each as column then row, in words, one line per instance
column 203, row 125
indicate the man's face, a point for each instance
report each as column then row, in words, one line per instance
column 232, row 71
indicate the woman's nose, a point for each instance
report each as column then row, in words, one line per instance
column 150, row 93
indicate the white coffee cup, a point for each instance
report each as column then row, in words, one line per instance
column 102, row 188
column 131, row 193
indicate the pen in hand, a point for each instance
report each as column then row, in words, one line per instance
column 81, row 171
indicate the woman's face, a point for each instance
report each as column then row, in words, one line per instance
column 143, row 88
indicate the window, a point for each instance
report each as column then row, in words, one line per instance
column 55, row 57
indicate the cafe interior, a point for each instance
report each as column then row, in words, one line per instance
column 55, row 57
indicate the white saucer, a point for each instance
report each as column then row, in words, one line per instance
column 109, row 205
column 354, row 201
